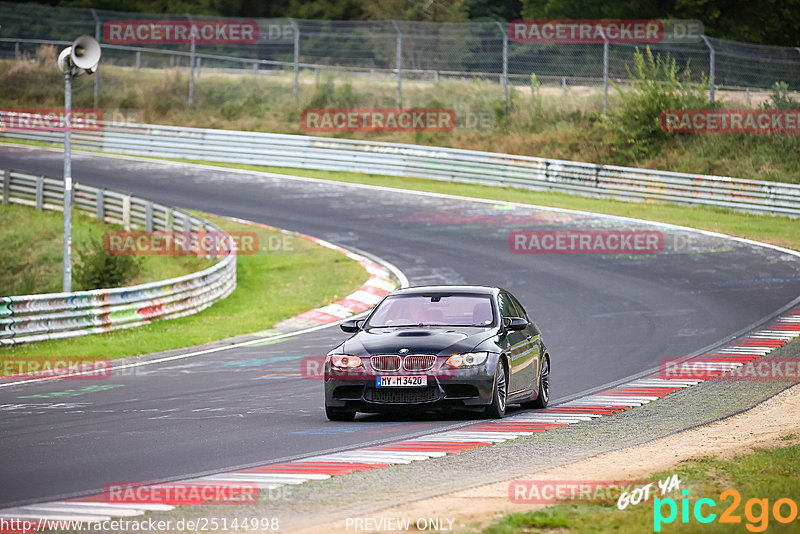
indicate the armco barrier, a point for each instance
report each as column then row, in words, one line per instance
column 58, row 315
column 471, row 166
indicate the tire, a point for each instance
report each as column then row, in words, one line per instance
column 497, row 409
column 543, row 398
column 339, row 414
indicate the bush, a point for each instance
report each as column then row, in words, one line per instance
column 658, row 85
column 780, row 98
column 95, row 269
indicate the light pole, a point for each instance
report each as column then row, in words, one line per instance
column 82, row 56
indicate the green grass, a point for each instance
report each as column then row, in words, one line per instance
column 544, row 122
column 781, row 231
column 765, row 474
column 31, row 251
column 271, row 286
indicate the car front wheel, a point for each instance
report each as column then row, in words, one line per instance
column 497, row 409
column 543, row 398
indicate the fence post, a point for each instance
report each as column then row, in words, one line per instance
column 16, row 51
column 138, row 60
column 126, row 213
column 99, row 205
column 39, row 192
column 399, row 63
column 711, row 66
column 605, row 74
column 564, row 85
column 97, row 72
column 505, row 65
column 191, row 64
column 6, row 185
column 296, row 30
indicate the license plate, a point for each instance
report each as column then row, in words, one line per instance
column 402, row 381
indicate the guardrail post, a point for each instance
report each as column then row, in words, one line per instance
column 39, row 193
column 16, row 51
column 436, row 77
column 505, row 66
column 169, row 220
column 100, row 205
column 187, row 223
column 138, row 60
column 148, row 217
column 126, row 212
column 97, row 36
column 564, row 85
column 711, row 67
column 296, row 90
column 6, row 185
column 399, row 63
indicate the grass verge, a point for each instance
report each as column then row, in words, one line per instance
column 271, row 286
column 31, row 251
column 761, row 479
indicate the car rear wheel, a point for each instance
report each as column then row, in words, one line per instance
column 497, row 409
column 339, row 414
column 543, row 398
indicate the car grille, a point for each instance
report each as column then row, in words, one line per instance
column 401, row 395
column 385, row 363
column 419, row 362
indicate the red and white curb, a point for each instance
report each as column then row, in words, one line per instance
column 381, row 282
column 486, row 433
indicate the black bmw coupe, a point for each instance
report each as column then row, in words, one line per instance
column 439, row 348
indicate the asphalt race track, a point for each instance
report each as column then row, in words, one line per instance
column 604, row 318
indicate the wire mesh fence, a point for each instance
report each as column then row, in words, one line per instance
column 403, row 50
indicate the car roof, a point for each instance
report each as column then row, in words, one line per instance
column 466, row 290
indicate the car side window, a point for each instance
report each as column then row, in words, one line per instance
column 507, row 308
column 520, row 309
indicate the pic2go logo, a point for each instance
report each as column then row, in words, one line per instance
column 756, row 511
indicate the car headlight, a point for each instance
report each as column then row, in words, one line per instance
column 467, row 359
column 345, row 361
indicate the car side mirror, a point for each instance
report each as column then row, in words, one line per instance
column 515, row 323
column 351, row 326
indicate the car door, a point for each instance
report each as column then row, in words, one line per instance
column 534, row 339
column 516, row 347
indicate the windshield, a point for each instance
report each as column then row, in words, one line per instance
column 434, row 310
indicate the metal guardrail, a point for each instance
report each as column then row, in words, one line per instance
column 58, row 315
column 447, row 164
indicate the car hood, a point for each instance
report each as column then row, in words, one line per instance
column 427, row 340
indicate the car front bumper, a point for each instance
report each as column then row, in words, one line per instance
column 466, row 388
